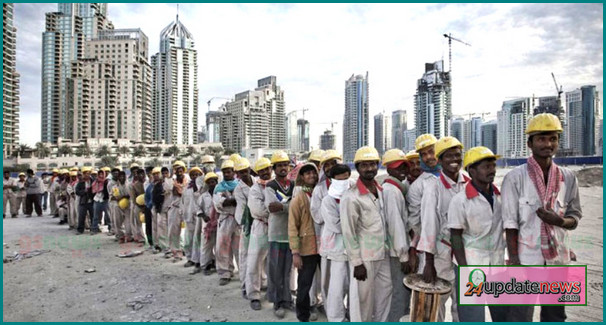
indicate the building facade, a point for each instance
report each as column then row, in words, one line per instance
column 583, row 114
column 303, row 134
column 457, row 128
column 10, row 83
column 489, row 135
column 109, row 90
column 292, row 134
column 512, row 120
column 175, row 86
column 63, row 41
column 355, row 118
column 409, row 140
column 398, row 126
column 328, row 140
column 433, row 101
column 382, row 133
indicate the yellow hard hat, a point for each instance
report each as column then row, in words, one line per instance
column 544, row 122
column 74, row 169
column 22, row 174
column 228, row 163
column 242, row 164
column 87, row 169
column 140, row 200
column 367, row 154
column 118, row 168
column 316, row 155
column 106, row 169
column 424, row 141
column 142, row 217
column 63, row 171
column 476, row 154
column 412, row 154
column 182, row 224
column 55, row 170
column 279, row 157
column 124, row 203
column 156, row 170
column 331, row 154
column 73, row 173
column 209, row 176
column 116, row 192
column 392, row 156
column 446, row 143
column 179, row 163
column 207, row 159
column 195, row 169
column 262, row 163
column 133, row 165
column 235, row 158
column 93, row 171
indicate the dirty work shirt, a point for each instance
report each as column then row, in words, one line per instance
column 519, row 205
column 482, row 225
column 396, row 216
column 413, row 198
column 278, row 222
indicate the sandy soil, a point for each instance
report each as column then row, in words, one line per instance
column 54, row 286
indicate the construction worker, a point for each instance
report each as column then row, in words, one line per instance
column 396, row 213
column 46, row 188
column 415, row 167
column 55, row 188
column 53, row 205
column 191, row 208
column 72, row 215
column 228, row 232
column 100, row 200
column 315, row 157
column 175, row 212
column 33, row 187
column 302, row 239
column 243, row 217
column 155, row 179
column 113, row 203
column 136, row 187
column 107, row 218
column 86, row 196
column 258, row 241
column 425, row 147
column 122, row 209
column 541, row 204
column 333, row 246
column 133, row 172
column 20, row 194
column 209, row 242
column 328, row 160
column 476, row 225
column 208, row 164
column 9, row 187
column 278, row 193
column 435, row 234
column 363, row 223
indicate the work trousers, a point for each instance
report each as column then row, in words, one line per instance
column 162, row 229
column 370, row 299
column 207, row 255
column 149, row 226
column 228, row 238
column 99, row 209
column 400, row 298
column 53, row 203
column 337, row 291
column 85, row 211
column 119, row 219
column 525, row 313
column 32, row 201
column 256, row 262
column 196, row 248
column 304, row 282
column 72, row 216
column 175, row 217
column 190, row 240
column 243, row 258
column 44, row 199
column 10, row 197
column 135, row 222
column 280, row 265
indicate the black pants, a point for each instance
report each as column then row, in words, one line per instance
column 83, row 209
column 278, row 277
column 33, row 199
column 148, row 226
column 306, row 277
column 548, row 313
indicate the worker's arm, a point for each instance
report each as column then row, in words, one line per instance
column 458, row 248
column 394, row 216
column 510, row 211
column 316, row 204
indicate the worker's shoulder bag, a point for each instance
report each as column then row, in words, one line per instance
column 247, row 220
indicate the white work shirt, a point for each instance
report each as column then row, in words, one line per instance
column 519, row 206
column 332, row 246
column 413, row 198
column 482, row 225
column 8, row 182
column 256, row 202
column 241, row 195
column 396, row 216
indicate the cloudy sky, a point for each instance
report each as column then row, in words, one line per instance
column 314, row 48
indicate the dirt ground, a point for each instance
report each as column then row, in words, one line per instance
column 54, row 286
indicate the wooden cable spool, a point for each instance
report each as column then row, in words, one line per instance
column 425, row 298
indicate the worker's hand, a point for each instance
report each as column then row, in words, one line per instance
column 275, row 207
column 413, row 259
column 405, row 267
column 360, row 272
column 550, row 217
column 429, row 273
column 297, row 262
column 231, row 202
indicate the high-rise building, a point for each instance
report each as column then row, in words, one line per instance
column 175, row 86
column 552, row 105
column 475, row 132
column 382, row 133
column 255, row 118
column 109, row 90
column 10, row 83
column 457, row 128
column 583, row 112
column 63, row 41
column 511, row 127
column 409, row 140
column 355, row 119
column 328, row 140
column 600, row 138
column 292, row 134
column 303, row 132
column 398, row 126
column 213, row 126
column 489, row 135
column 433, row 101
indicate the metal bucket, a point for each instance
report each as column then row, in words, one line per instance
column 425, row 298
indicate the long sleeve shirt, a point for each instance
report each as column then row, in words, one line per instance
column 332, row 246
column 396, row 216
column 301, row 231
column 278, row 221
column 414, row 197
column 363, row 224
column 241, row 193
column 256, row 202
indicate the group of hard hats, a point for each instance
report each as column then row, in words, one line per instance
column 543, row 122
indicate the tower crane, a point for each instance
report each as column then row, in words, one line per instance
column 558, row 90
column 450, row 39
column 332, row 125
column 210, row 100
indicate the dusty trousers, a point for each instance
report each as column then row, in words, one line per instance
column 228, row 238
column 370, row 299
column 258, row 247
column 337, row 291
column 162, row 230
column 243, row 258
column 280, row 266
column 175, row 217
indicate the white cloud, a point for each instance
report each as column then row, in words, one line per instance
column 314, row 48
